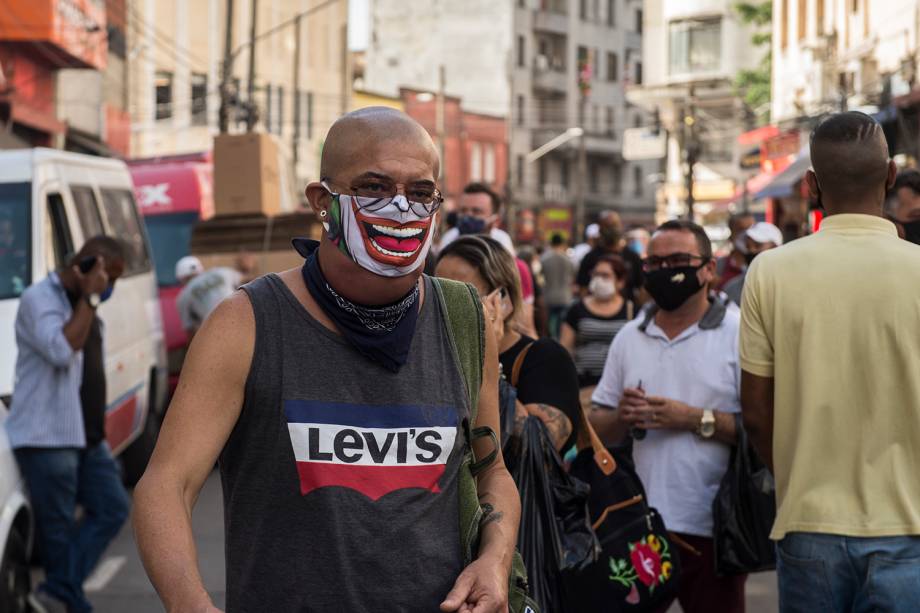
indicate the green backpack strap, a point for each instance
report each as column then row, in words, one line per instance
column 466, row 329
column 462, row 310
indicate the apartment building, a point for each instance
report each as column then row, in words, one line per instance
column 572, row 62
column 830, row 55
column 176, row 54
column 693, row 51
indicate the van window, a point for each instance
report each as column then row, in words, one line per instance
column 59, row 232
column 170, row 238
column 15, row 238
column 87, row 211
column 121, row 213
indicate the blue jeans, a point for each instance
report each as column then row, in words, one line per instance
column 58, row 480
column 831, row 573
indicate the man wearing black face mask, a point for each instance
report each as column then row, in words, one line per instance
column 671, row 379
column 478, row 210
column 903, row 205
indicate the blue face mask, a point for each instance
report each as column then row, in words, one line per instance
column 636, row 246
column 467, row 224
column 107, row 293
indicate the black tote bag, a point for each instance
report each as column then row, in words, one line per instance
column 743, row 512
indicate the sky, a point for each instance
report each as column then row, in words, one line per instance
column 358, row 24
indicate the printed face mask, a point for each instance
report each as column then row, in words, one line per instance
column 390, row 240
column 672, row 287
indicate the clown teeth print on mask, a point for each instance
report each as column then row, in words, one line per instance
column 391, row 241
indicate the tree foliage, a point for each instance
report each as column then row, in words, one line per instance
column 754, row 85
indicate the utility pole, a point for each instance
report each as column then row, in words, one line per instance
column 439, row 123
column 582, row 184
column 691, row 147
column 295, row 145
column 226, row 70
column 251, row 87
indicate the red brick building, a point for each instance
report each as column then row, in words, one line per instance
column 475, row 145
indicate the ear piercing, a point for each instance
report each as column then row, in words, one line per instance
column 323, row 214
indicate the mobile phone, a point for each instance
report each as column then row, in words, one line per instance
column 87, row 263
column 638, row 433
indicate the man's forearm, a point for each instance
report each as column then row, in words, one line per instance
column 501, row 515
column 760, row 433
column 76, row 331
column 606, row 422
column 163, row 530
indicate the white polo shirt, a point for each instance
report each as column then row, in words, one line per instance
column 680, row 470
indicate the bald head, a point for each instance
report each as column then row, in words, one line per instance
column 849, row 155
column 373, row 130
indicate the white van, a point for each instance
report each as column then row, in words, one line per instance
column 51, row 202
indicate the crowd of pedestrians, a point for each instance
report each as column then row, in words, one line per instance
column 378, row 418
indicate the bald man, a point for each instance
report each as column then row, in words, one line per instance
column 830, row 351
column 333, row 399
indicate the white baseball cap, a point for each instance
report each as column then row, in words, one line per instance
column 593, row 231
column 189, row 266
column 763, row 232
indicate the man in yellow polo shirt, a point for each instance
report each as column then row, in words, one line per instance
column 830, row 391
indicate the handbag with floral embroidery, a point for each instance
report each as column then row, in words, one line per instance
column 638, row 568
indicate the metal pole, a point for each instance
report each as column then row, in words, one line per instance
column 691, row 146
column 582, row 185
column 250, row 88
column 226, row 71
column 295, row 144
column 439, row 124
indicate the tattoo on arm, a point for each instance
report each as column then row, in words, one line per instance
column 490, row 515
column 557, row 423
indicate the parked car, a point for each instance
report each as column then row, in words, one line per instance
column 51, row 202
column 174, row 194
column 15, row 530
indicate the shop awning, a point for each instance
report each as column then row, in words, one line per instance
column 783, row 185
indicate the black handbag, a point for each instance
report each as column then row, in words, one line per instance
column 639, row 567
column 743, row 512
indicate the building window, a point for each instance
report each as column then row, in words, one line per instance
column 596, row 10
column 541, row 171
column 612, row 66
column 695, row 46
column 583, row 9
column 593, row 178
column 639, row 21
column 854, row 6
column 521, row 59
column 617, row 179
column 163, row 85
column 475, row 162
column 820, row 17
column 488, row 164
column 611, row 13
column 637, row 180
column 638, row 73
column 279, row 114
column 520, row 170
column 609, row 122
column 637, row 121
column 520, row 110
column 564, row 172
column 269, row 108
column 199, row 99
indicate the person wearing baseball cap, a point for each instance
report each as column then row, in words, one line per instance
column 760, row 237
column 202, row 290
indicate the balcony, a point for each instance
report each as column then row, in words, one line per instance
column 550, row 21
column 550, row 80
column 603, row 144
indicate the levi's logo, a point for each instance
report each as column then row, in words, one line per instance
column 374, row 449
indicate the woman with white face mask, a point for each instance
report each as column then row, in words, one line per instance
column 594, row 321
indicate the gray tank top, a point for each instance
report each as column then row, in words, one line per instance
column 340, row 477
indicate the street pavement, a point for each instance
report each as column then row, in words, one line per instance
column 120, row 584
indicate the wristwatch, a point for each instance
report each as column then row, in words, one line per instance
column 93, row 299
column 707, row 427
